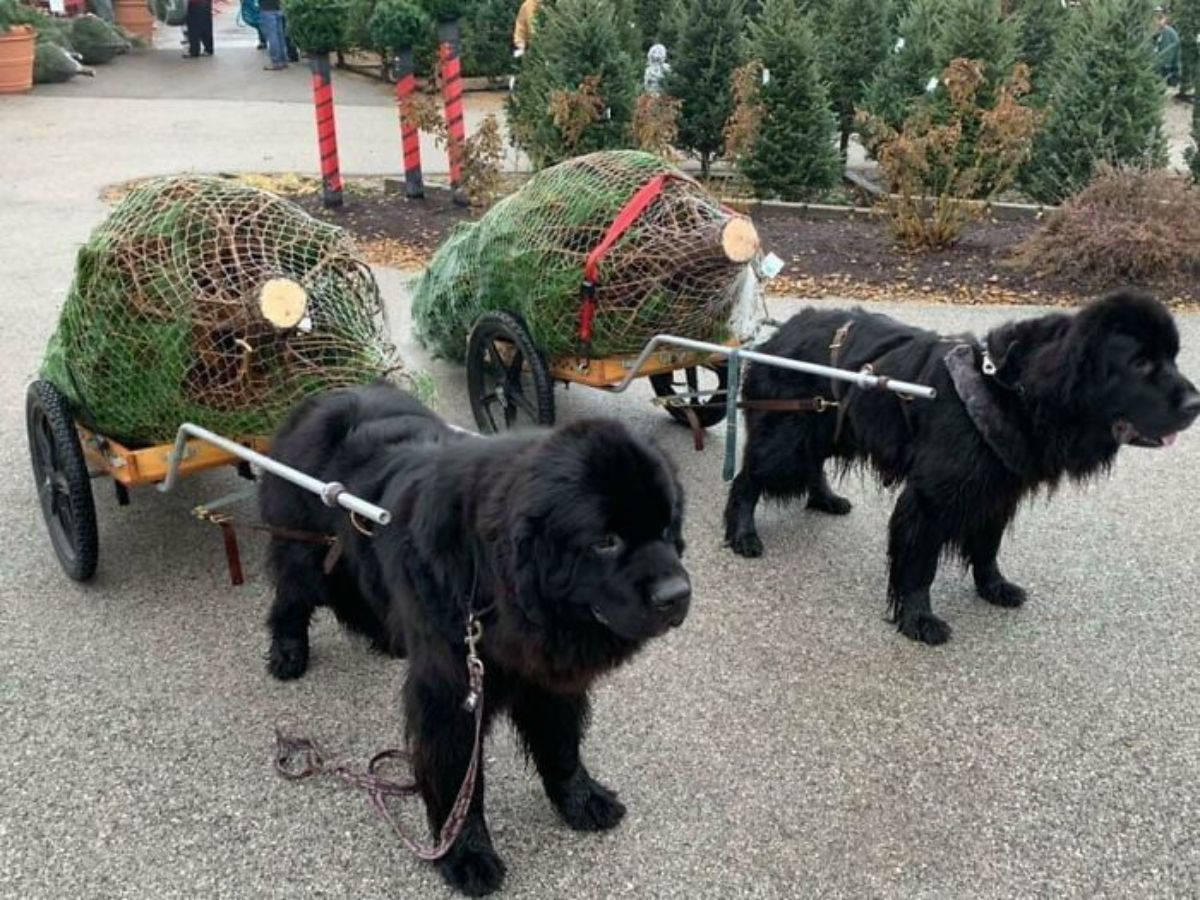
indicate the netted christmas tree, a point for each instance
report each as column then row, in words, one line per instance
column 1105, row 100
column 793, row 156
column 674, row 270
column 855, row 46
column 709, row 49
column 577, row 85
column 203, row 300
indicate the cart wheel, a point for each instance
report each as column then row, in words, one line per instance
column 507, row 377
column 61, row 475
column 710, row 408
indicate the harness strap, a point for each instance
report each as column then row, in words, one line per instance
column 297, row 758
column 816, row 404
column 628, row 214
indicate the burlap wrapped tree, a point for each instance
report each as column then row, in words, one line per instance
column 674, row 269
column 203, row 300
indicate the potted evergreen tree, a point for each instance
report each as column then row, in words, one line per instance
column 17, row 48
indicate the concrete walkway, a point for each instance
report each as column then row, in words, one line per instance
column 784, row 743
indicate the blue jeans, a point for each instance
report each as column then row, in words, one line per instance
column 271, row 22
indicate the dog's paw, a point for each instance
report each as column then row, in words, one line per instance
column 830, row 503
column 747, row 545
column 926, row 628
column 1003, row 593
column 587, row 805
column 473, row 870
column 287, row 659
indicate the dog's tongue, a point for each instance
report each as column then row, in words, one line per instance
column 1169, row 439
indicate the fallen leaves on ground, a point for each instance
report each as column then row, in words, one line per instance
column 394, row 254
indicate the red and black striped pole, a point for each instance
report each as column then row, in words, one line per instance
column 410, row 137
column 331, row 174
column 452, row 89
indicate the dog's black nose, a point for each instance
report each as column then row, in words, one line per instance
column 1191, row 405
column 668, row 593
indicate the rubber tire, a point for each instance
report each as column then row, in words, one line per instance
column 708, row 412
column 76, row 544
column 510, row 328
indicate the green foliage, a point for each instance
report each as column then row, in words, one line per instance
column 978, row 29
column 487, row 38
column 448, row 10
column 855, row 46
column 1186, row 15
column 317, row 26
column 793, row 157
column 702, row 64
column 1105, row 101
column 397, row 25
column 526, row 256
column 901, row 79
column 655, row 22
column 578, row 45
column 148, row 338
column 1040, row 24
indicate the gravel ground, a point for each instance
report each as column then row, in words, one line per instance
column 784, row 742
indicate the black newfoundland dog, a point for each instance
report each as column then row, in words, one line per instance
column 1034, row 401
column 567, row 544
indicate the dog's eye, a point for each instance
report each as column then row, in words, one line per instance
column 1143, row 366
column 610, row 547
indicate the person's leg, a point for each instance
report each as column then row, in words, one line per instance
column 272, row 24
column 193, row 29
column 206, row 26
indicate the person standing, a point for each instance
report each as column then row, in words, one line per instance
column 199, row 28
column 271, row 21
column 1166, row 48
column 523, row 29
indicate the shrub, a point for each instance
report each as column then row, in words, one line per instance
column 397, row 25
column 855, row 47
column 656, row 124
column 929, row 175
column 1105, row 100
column 1128, row 224
column 702, row 64
column 579, row 64
column 317, row 26
column 793, row 157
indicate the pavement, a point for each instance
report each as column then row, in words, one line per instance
column 785, row 742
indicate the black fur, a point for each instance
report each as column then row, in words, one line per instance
column 571, row 540
column 1068, row 391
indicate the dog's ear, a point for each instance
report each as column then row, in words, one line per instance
column 526, row 571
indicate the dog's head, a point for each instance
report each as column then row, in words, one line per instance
column 598, row 538
column 1125, row 347
column 1110, row 368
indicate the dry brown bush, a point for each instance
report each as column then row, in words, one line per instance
column 935, row 175
column 1128, row 224
column 656, row 124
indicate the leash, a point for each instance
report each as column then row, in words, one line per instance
column 290, row 750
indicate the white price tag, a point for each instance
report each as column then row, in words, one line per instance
column 770, row 266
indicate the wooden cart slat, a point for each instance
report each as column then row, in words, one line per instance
column 601, row 373
column 148, row 465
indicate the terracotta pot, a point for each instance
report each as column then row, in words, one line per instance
column 135, row 17
column 17, row 46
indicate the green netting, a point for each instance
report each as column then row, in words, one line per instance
column 526, row 256
column 164, row 322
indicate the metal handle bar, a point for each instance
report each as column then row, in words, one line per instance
column 862, row 379
column 330, row 492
